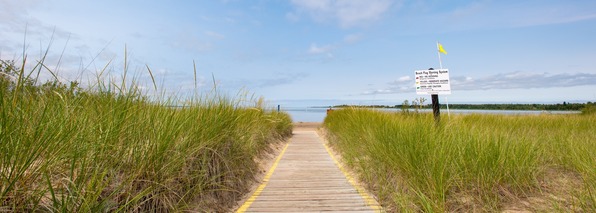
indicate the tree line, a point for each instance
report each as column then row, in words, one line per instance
column 565, row 106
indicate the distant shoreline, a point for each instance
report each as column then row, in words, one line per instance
column 535, row 107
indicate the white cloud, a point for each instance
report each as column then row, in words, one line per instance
column 523, row 80
column 278, row 80
column 11, row 10
column 327, row 50
column 501, row 14
column 431, row 17
column 511, row 80
column 347, row 13
column 406, row 78
column 316, row 49
column 214, row 35
column 352, row 38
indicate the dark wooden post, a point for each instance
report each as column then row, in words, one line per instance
column 278, row 108
column 435, row 104
column 436, row 110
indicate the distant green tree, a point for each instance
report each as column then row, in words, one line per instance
column 13, row 78
column 589, row 108
column 8, row 75
column 405, row 106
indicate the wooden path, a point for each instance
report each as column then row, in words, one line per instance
column 306, row 178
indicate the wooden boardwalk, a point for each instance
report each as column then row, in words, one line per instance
column 306, row 178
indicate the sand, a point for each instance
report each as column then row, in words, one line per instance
column 306, row 126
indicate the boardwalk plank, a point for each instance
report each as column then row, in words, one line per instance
column 308, row 180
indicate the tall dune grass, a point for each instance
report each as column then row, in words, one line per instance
column 470, row 162
column 107, row 148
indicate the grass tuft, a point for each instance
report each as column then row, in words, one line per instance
column 109, row 148
column 470, row 162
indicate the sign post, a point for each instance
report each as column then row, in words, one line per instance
column 433, row 82
column 436, row 109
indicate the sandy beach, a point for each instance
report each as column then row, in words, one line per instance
column 305, row 126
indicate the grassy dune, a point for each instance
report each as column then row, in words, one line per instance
column 107, row 148
column 470, row 162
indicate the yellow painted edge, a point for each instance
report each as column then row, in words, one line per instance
column 370, row 202
column 257, row 192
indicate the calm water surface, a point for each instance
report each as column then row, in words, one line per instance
column 309, row 114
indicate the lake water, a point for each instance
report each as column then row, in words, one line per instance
column 309, row 114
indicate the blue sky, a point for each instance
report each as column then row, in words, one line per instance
column 297, row 52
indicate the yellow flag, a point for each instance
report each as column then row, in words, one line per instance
column 441, row 50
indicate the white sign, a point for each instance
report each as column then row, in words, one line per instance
column 433, row 82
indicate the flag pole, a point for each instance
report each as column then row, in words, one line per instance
column 441, row 66
column 439, row 54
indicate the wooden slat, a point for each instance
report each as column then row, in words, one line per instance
column 307, row 179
